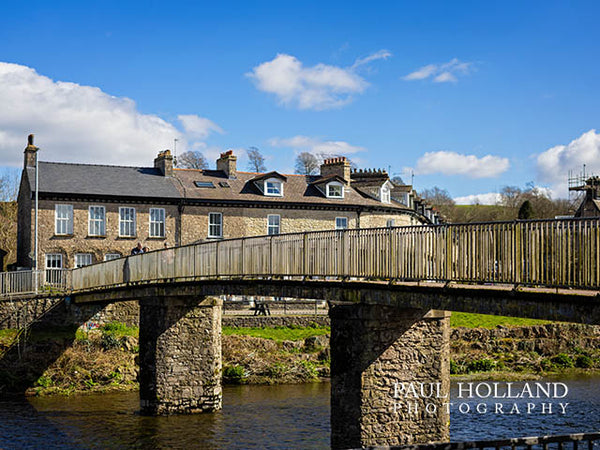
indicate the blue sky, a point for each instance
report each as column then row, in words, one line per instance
column 471, row 96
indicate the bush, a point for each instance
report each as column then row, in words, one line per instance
column 563, row 360
column 481, row 365
column 233, row 374
column 584, row 362
column 109, row 342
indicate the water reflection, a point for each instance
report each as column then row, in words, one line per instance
column 289, row 416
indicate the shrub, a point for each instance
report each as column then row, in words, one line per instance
column 109, row 342
column 233, row 374
column 563, row 360
column 481, row 365
column 584, row 362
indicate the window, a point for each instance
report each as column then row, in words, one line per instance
column 111, row 256
column 273, row 187
column 273, row 221
column 157, row 222
column 83, row 259
column 64, row 219
column 97, row 221
column 341, row 223
column 385, row 194
column 390, row 222
column 335, row 190
column 54, row 261
column 127, row 222
column 215, row 225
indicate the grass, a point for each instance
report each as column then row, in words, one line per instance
column 467, row 320
column 279, row 333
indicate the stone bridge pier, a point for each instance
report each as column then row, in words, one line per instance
column 390, row 376
column 180, row 355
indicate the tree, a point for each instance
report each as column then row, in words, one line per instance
column 256, row 161
column 437, row 196
column 8, row 217
column 307, row 164
column 525, row 211
column 192, row 160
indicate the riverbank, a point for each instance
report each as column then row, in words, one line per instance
column 105, row 359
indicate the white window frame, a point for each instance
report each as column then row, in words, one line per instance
column 277, row 182
column 129, row 222
column 155, row 225
column 212, row 225
column 390, row 223
column 63, row 223
column 95, row 222
column 338, row 224
column 57, row 257
column 87, row 256
column 334, row 184
column 385, row 194
column 271, row 228
column 112, row 256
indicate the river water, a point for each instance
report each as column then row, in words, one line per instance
column 289, row 416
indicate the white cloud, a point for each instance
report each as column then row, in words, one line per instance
column 381, row 54
column 318, row 87
column 554, row 164
column 451, row 163
column 490, row 198
column 441, row 73
column 316, row 145
column 78, row 123
column 199, row 127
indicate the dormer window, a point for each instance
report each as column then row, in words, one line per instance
column 385, row 194
column 335, row 190
column 274, row 187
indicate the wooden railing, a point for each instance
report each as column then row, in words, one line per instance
column 552, row 253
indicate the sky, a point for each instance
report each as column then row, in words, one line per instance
column 468, row 96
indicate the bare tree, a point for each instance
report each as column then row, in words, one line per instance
column 9, row 186
column 307, row 164
column 192, row 160
column 256, row 161
column 8, row 216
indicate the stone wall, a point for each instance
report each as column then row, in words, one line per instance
column 99, row 246
column 274, row 321
column 180, row 355
column 376, row 219
column 375, row 350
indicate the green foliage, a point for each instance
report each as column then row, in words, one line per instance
column 309, row 369
column 110, row 342
column 276, row 370
column 234, row 374
column 119, row 329
column 468, row 320
column 44, row 381
column 584, row 362
column 481, row 365
column 525, row 211
column 279, row 333
column 563, row 360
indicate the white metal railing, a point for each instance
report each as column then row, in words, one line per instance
column 34, row 281
column 553, row 253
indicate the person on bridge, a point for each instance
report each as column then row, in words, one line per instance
column 137, row 249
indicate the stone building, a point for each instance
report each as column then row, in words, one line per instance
column 590, row 206
column 92, row 213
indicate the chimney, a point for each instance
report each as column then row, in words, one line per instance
column 228, row 164
column 164, row 163
column 30, row 153
column 339, row 166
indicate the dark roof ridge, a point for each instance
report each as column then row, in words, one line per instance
column 94, row 165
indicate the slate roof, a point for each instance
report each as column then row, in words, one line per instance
column 102, row 180
column 297, row 189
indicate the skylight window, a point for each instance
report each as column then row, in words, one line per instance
column 204, row 184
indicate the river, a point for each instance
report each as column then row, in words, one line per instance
column 288, row 416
